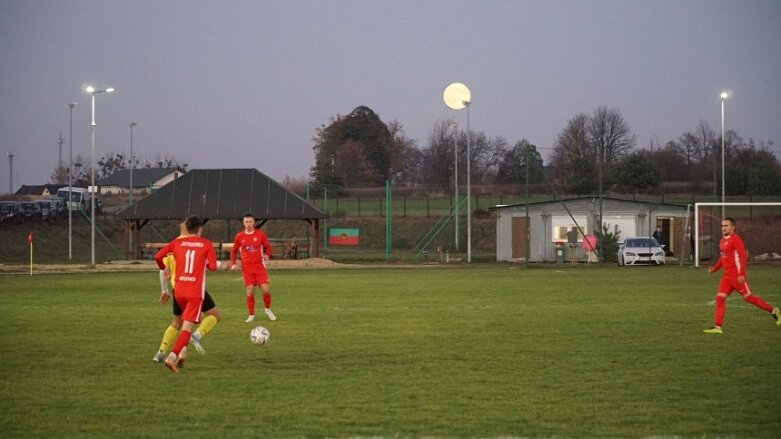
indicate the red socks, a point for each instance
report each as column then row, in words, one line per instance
column 181, row 341
column 718, row 317
column 759, row 303
column 251, row 305
column 267, row 300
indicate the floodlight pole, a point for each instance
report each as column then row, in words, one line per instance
column 723, row 192
column 71, row 106
column 457, row 210
column 91, row 90
column 468, row 187
column 130, row 189
column 457, row 96
column 526, row 204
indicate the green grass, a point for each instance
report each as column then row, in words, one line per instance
column 481, row 351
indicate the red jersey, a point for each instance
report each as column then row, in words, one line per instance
column 253, row 247
column 733, row 256
column 192, row 255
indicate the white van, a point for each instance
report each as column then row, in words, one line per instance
column 78, row 195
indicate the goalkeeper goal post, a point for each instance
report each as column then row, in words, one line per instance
column 758, row 223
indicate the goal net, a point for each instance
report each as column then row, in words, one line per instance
column 759, row 224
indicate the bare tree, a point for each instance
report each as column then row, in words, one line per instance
column 403, row 155
column 689, row 147
column 573, row 157
column 705, row 138
column 438, row 156
column 610, row 135
column 485, row 155
column 60, row 175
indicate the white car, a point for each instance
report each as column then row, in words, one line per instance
column 638, row 250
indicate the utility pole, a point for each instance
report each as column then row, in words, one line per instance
column 60, row 141
column 11, row 171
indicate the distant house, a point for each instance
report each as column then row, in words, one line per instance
column 39, row 191
column 145, row 180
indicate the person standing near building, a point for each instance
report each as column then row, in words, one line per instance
column 733, row 261
column 193, row 255
column 572, row 244
column 255, row 251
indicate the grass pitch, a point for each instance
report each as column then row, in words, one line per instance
column 480, row 351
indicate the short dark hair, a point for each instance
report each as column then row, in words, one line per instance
column 730, row 219
column 193, row 223
column 249, row 215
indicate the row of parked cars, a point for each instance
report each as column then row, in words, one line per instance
column 20, row 212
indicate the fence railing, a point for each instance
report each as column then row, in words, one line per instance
column 436, row 206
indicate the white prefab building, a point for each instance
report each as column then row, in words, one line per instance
column 548, row 222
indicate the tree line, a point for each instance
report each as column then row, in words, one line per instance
column 595, row 152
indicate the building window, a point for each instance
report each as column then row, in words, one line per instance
column 563, row 224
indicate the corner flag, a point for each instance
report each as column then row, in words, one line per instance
column 30, row 242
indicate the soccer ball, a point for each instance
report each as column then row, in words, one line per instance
column 259, row 336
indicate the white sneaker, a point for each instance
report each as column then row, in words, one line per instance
column 250, row 319
column 158, row 357
column 195, row 340
column 270, row 315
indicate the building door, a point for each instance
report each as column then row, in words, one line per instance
column 520, row 239
column 668, row 228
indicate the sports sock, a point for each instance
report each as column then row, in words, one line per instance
column 267, row 300
column 718, row 316
column 168, row 338
column 207, row 324
column 251, row 305
column 758, row 302
column 181, row 341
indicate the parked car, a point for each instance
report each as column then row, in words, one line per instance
column 9, row 213
column 638, row 250
column 58, row 205
column 48, row 210
column 30, row 211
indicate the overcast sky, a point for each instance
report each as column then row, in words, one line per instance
column 244, row 84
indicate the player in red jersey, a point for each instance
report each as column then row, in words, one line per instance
column 733, row 262
column 255, row 251
column 193, row 254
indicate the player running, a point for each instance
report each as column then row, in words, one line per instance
column 192, row 254
column 255, row 251
column 733, row 261
column 210, row 314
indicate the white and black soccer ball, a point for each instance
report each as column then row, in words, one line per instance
column 259, row 336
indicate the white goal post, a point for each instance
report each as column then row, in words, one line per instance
column 697, row 207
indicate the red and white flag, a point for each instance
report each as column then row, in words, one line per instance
column 30, row 238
